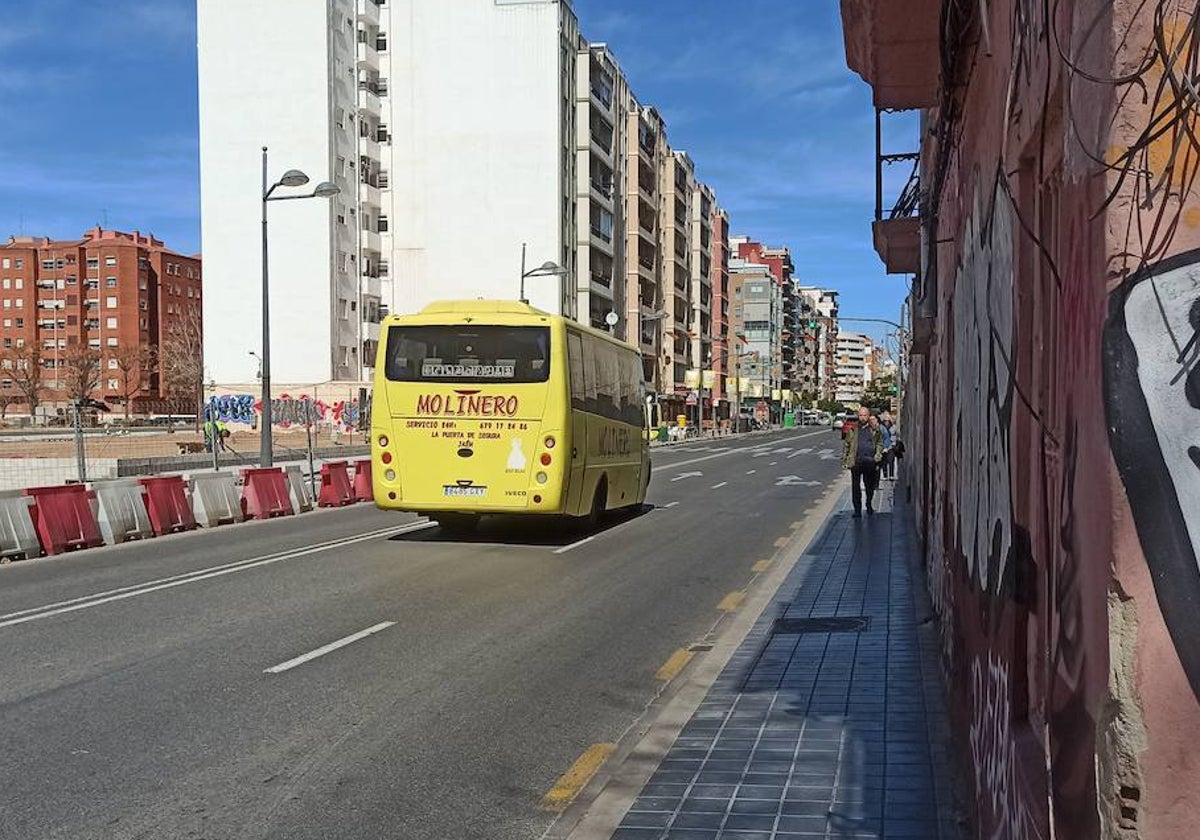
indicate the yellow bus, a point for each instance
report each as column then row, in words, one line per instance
column 494, row 407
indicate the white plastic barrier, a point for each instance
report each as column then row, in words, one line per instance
column 18, row 539
column 298, row 488
column 120, row 506
column 215, row 497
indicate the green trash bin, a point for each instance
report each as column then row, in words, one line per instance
column 662, row 434
column 789, row 420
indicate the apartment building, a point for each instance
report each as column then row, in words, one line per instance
column 808, row 342
column 645, row 298
column 678, row 184
column 855, row 352
column 700, row 328
column 117, row 293
column 601, row 122
column 724, row 346
column 757, row 325
column 316, row 97
column 823, row 306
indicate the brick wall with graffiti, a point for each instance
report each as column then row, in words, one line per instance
column 1053, row 418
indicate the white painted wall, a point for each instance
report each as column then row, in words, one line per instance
column 476, row 160
column 264, row 77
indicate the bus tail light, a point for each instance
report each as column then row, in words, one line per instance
column 541, row 478
column 545, row 459
column 550, row 441
column 386, row 457
column 390, row 475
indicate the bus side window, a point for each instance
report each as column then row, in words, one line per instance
column 578, row 378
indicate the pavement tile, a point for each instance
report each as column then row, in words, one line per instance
column 832, row 735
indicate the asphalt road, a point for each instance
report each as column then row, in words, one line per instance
column 169, row 689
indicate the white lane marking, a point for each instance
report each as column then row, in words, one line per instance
column 102, row 598
column 804, row 451
column 670, row 504
column 329, row 648
column 773, row 463
column 794, row 455
column 575, row 544
column 732, row 452
column 751, row 472
column 719, row 486
column 681, row 476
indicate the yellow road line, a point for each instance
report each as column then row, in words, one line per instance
column 570, row 783
column 761, row 566
column 731, row 601
column 782, row 541
column 678, row 661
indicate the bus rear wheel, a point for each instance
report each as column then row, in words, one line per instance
column 457, row 523
column 599, row 500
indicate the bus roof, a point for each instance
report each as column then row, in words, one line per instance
column 473, row 307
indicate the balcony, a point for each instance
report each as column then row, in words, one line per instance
column 897, row 239
column 893, row 46
column 367, row 56
column 368, row 12
column 602, row 90
column 368, row 194
column 369, row 240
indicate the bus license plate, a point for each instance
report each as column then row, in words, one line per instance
column 455, row 490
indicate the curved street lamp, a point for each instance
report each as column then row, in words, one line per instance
column 546, row 269
column 291, row 178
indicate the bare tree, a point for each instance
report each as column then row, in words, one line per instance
column 181, row 361
column 23, row 365
column 81, row 371
column 134, row 364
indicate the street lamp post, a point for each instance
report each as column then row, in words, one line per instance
column 546, row 269
column 325, row 189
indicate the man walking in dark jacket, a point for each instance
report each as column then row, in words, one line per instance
column 862, row 450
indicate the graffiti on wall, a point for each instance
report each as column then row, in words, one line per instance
column 983, row 343
column 287, row 410
column 1152, row 394
column 993, row 751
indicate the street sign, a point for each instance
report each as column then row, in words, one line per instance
column 692, row 398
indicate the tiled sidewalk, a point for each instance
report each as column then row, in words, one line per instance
column 818, row 730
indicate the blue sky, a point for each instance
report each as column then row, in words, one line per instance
column 101, row 119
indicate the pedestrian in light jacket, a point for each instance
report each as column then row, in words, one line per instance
column 862, row 450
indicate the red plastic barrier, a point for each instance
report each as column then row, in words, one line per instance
column 362, row 481
column 63, row 518
column 335, row 485
column 265, row 493
column 168, row 505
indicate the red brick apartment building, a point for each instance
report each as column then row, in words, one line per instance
column 116, row 292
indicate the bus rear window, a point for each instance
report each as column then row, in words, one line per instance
column 468, row 353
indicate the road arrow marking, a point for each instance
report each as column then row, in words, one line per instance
column 682, row 476
column 794, row 481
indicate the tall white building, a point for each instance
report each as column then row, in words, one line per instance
column 287, row 75
column 854, row 352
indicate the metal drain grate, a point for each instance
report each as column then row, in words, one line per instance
column 831, row 624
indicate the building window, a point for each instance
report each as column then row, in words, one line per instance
column 18, row 263
column 7, row 283
column 383, row 223
column 110, row 282
column 93, row 262
column 113, row 384
column 7, row 263
column 112, row 341
column 110, row 323
column 142, row 304
column 47, row 265
column 20, row 323
column 110, row 260
column 142, row 284
column 71, row 280
column 110, row 302
column 7, row 322
column 381, row 42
